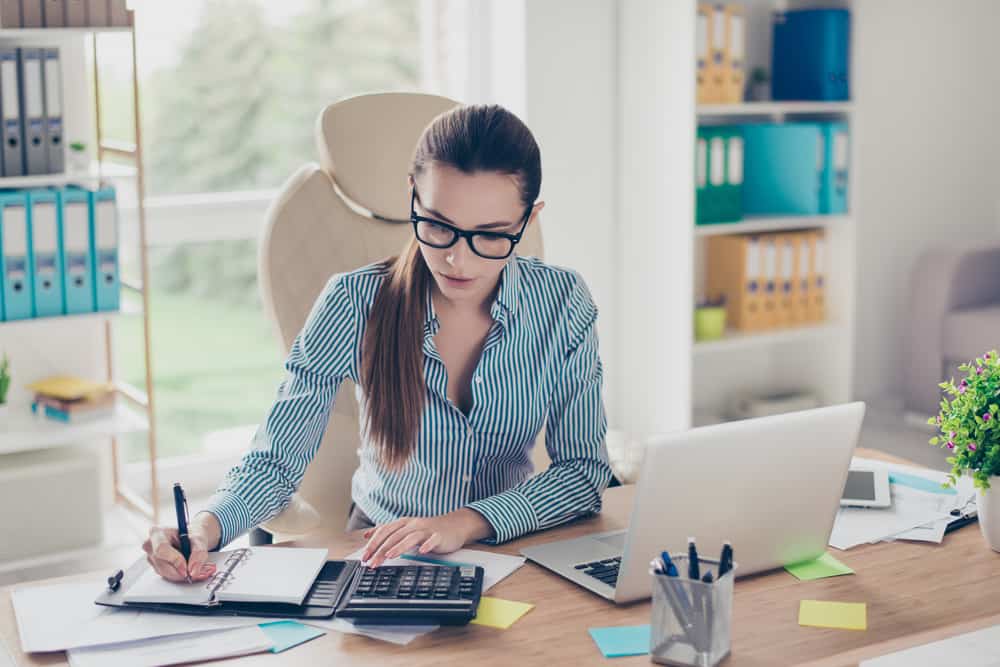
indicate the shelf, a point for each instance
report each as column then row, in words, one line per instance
column 127, row 310
column 774, row 109
column 89, row 178
column 752, row 224
column 7, row 33
column 22, row 431
column 735, row 340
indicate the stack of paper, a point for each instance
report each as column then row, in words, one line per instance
column 921, row 508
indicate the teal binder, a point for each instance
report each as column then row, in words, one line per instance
column 835, row 172
column 46, row 251
column 104, row 235
column 15, row 256
column 718, row 175
column 78, row 255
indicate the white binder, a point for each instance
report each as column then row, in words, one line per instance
column 54, row 145
column 10, row 106
column 33, row 112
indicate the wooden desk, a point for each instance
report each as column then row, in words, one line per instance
column 915, row 593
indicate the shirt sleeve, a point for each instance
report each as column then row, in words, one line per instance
column 262, row 483
column 574, row 437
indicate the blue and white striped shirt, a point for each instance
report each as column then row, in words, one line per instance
column 540, row 362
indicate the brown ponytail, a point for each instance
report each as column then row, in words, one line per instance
column 469, row 138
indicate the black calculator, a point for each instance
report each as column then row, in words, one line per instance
column 421, row 593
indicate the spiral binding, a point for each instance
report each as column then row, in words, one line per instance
column 224, row 577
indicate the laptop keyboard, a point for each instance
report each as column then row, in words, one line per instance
column 603, row 570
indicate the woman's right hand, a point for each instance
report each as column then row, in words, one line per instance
column 162, row 549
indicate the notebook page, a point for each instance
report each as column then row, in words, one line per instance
column 151, row 587
column 274, row 574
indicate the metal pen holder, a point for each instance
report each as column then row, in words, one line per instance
column 691, row 619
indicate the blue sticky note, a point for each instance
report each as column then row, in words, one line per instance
column 622, row 640
column 920, row 483
column 286, row 634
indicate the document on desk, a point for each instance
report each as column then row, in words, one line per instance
column 917, row 510
column 400, row 635
column 61, row 616
column 173, row 650
column 496, row 567
column 973, row 649
column 6, row 659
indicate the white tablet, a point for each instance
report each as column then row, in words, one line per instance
column 866, row 488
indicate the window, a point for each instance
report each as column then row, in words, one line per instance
column 231, row 90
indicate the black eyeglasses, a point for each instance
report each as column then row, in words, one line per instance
column 438, row 234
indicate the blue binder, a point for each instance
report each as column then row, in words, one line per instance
column 46, row 245
column 104, row 232
column 809, row 55
column 78, row 258
column 15, row 260
column 780, row 169
column 835, row 172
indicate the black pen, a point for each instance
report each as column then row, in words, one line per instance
column 726, row 559
column 180, row 506
column 693, row 571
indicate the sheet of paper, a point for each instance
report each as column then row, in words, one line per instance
column 843, row 615
column 496, row 567
column 824, row 566
column 973, row 649
column 6, row 659
column 61, row 616
column 497, row 613
column 286, row 634
column 394, row 634
column 275, row 574
column 913, row 506
column 173, row 650
column 622, row 640
column 932, row 532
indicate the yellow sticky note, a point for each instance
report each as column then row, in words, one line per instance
column 845, row 615
column 497, row 613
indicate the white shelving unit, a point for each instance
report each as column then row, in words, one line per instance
column 816, row 358
column 83, row 345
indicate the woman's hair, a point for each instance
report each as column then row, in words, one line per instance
column 475, row 138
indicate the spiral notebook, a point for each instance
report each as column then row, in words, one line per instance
column 255, row 574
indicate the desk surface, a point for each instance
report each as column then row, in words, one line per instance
column 915, row 593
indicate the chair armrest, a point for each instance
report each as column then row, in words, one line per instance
column 944, row 278
column 298, row 519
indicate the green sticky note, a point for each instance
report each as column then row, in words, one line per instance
column 824, row 566
column 286, row 634
column 623, row 640
column 844, row 615
column 497, row 613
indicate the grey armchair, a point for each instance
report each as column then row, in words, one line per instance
column 953, row 317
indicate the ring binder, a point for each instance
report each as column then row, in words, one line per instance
column 223, row 578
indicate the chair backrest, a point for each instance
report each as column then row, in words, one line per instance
column 322, row 223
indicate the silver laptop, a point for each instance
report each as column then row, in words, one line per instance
column 770, row 486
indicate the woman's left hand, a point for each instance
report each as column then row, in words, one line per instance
column 439, row 534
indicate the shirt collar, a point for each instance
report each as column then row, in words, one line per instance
column 504, row 307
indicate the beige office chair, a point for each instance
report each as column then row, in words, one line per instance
column 350, row 210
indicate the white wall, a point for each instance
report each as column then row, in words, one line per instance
column 928, row 87
column 555, row 64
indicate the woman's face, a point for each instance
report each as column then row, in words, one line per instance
column 481, row 201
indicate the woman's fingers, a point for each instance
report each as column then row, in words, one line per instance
column 431, row 543
column 382, row 553
column 381, row 534
column 405, row 544
column 166, row 559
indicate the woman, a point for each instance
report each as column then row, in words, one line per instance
column 462, row 352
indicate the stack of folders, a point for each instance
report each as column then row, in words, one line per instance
column 721, row 40
column 31, row 107
column 769, row 281
column 771, row 169
column 72, row 400
column 58, row 252
column 63, row 13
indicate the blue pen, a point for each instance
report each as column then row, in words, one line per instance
column 693, row 571
column 726, row 559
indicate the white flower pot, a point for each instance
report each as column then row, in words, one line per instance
column 988, row 507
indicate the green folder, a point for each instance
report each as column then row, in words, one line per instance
column 719, row 175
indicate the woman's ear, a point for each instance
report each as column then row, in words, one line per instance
column 535, row 210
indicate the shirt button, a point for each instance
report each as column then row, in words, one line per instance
column 466, row 478
column 479, row 379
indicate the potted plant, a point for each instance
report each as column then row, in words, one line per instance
column 710, row 319
column 969, row 430
column 4, row 383
column 79, row 162
column 758, row 90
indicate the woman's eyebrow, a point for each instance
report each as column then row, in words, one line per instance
column 488, row 225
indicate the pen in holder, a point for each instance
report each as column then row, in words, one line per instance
column 691, row 619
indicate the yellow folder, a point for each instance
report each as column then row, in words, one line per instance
column 735, row 271
column 786, row 279
column 703, row 39
column 734, row 56
column 769, row 249
column 817, row 301
column 799, row 242
column 717, row 62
